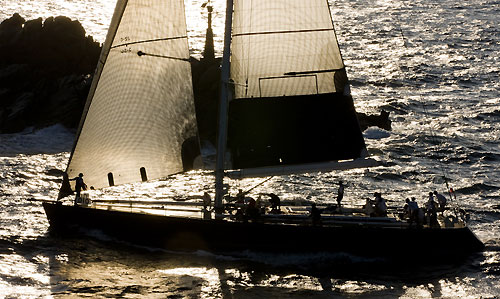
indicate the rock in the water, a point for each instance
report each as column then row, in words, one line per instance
column 45, row 69
column 382, row 121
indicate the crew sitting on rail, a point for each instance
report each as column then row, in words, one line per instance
column 406, row 209
column 413, row 209
column 259, row 205
column 380, row 205
column 331, row 209
column 240, row 197
column 239, row 215
column 431, row 211
column 315, row 215
column 252, row 212
column 441, row 199
column 275, row 202
column 420, row 217
column 368, row 208
column 207, row 200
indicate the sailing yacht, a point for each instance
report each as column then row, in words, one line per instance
column 285, row 108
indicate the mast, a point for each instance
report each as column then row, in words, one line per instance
column 208, row 52
column 223, row 109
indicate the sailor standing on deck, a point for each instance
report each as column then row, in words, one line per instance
column 413, row 209
column 315, row 215
column 340, row 193
column 441, row 200
column 380, row 205
column 431, row 196
column 431, row 211
column 79, row 185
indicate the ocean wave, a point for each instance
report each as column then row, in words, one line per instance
column 389, row 176
column 49, row 140
column 492, row 245
column 476, row 188
column 305, row 260
column 376, row 133
column 484, row 156
column 490, row 116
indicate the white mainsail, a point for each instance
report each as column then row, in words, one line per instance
column 283, row 48
column 140, row 108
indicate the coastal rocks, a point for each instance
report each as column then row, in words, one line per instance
column 44, row 72
column 13, row 118
column 382, row 120
column 57, row 45
column 43, row 102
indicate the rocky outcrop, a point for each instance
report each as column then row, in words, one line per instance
column 45, row 69
column 382, row 120
column 58, row 46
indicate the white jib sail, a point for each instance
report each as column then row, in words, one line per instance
column 283, row 48
column 142, row 108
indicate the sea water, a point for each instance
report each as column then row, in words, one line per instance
column 433, row 64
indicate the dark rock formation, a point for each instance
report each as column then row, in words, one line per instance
column 58, row 46
column 382, row 121
column 44, row 72
column 45, row 76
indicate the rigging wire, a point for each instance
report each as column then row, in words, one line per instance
column 434, row 138
column 265, row 180
column 426, row 113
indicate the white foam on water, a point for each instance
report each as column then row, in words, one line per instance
column 49, row 140
column 376, row 133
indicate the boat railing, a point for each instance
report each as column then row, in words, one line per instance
column 289, row 213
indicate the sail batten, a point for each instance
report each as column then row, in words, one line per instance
column 312, row 72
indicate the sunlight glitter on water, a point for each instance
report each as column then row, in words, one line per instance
column 210, row 288
column 444, row 79
column 15, row 266
column 357, row 287
column 94, row 15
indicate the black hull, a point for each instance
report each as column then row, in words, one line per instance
column 175, row 233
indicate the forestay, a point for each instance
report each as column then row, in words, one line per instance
column 140, row 108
